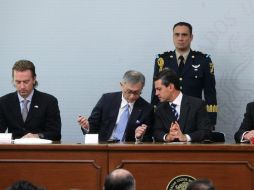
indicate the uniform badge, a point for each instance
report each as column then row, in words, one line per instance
column 211, row 68
column 195, row 67
column 160, row 63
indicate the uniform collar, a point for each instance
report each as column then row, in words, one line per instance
column 185, row 55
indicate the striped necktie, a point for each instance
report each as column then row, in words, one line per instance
column 173, row 109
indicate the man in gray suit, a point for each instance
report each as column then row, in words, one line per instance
column 179, row 117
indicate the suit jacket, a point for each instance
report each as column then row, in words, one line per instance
column 193, row 119
column 43, row 116
column 247, row 123
column 104, row 115
column 197, row 76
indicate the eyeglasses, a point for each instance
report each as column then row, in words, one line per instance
column 135, row 93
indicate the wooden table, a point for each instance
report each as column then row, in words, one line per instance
column 55, row 166
column 79, row 166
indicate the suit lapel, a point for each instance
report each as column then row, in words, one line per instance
column 16, row 108
column 135, row 114
column 166, row 115
column 34, row 105
column 113, row 113
column 185, row 107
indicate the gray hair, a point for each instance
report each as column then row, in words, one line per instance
column 133, row 77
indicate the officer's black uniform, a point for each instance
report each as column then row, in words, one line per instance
column 197, row 75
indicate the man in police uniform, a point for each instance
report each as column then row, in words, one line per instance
column 195, row 69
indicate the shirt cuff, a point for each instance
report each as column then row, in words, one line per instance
column 243, row 140
column 85, row 130
column 188, row 138
column 164, row 137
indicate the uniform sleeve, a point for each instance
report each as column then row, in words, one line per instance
column 210, row 90
column 154, row 98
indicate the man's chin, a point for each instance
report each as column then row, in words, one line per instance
column 23, row 94
column 162, row 100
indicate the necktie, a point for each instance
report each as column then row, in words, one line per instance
column 181, row 65
column 120, row 129
column 175, row 114
column 24, row 110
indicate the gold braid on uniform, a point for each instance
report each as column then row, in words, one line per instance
column 211, row 108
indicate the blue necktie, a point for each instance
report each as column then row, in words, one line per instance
column 120, row 129
column 173, row 108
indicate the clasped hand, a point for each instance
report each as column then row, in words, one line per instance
column 175, row 133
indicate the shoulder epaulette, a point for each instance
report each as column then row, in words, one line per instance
column 167, row 53
column 201, row 54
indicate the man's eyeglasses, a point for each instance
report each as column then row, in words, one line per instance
column 135, row 93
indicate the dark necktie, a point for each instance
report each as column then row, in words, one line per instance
column 24, row 110
column 175, row 114
column 181, row 65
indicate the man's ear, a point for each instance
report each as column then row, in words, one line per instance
column 171, row 86
column 34, row 82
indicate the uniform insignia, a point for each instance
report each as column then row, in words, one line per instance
column 211, row 68
column 196, row 66
column 160, row 63
column 211, row 108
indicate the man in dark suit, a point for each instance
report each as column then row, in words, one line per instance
column 106, row 117
column 179, row 117
column 194, row 69
column 246, row 131
column 28, row 113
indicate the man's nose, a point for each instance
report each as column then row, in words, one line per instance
column 22, row 85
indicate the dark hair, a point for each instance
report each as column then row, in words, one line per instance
column 119, row 181
column 23, row 65
column 168, row 76
column 197, row 185
column 184, row 24
column 24, row 185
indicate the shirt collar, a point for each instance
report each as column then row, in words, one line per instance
column 28, row 98
column 185, row 55
column 124, row 102
column 178, row 99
